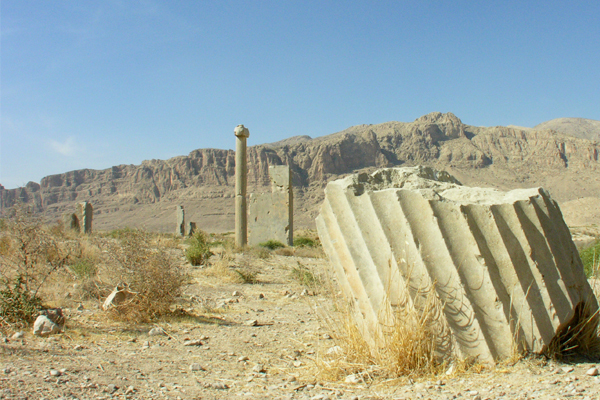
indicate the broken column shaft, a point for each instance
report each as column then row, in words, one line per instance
column 241, row 180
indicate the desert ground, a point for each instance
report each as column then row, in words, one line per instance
column 275, row 331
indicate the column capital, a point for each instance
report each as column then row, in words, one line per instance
column 241, row 131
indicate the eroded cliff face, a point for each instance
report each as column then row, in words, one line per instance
column 145, row 195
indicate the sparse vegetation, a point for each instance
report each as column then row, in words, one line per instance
column 149, row 272
column 408, row 344
column 272, row 244
column 590, row 257
column 304, row 241
column 30, row 254
column 198, row 251
column 303, row 275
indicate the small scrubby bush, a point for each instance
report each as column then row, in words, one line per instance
column 150, row 272
column 18, row 305
column 303, row 241
column 29, row 255
column 303, row 276
column 590, row 257
column 272, row 244
column 199, row 251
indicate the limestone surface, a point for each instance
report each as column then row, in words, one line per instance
column 271, row 214
column 501, row 265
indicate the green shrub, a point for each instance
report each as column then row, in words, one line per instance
column 121, row 233
column 198, row 251
column 18, row 305
column 246, row 276
column 272, row 244
column 590, row 257
column 84, row 268
column 304, row 276
column 30, row 255
column 303, row 241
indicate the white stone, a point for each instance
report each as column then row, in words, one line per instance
column 43, row 326
column 18, row 335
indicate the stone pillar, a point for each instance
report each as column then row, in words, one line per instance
column 271, row 214
column 191, row 228
column 71, row 222
column 180, row 215
column 87, row 214
column 241, row 181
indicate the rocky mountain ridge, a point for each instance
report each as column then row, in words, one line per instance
column 145, row 195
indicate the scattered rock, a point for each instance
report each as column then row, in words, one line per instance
column 111, row 388
column 119, row 295
column 157, row 331
column 259, row 368
column 352, row 378
column 192, row 343
column 54, row 372
column 567, row 370
column 243, row 358
column 196, row 367
column 236, row 294
column 43, row 326
column 592, row 371
column 80, row 307
column 251, row 322
column 335, row 350
column 18, row 335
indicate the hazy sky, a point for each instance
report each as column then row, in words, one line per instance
column 91, row 84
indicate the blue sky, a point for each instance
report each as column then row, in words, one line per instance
column 91, row 84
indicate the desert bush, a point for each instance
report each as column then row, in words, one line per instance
column 245, row 275
column 84, row 268
column 304, row 276
column 590, row 257
column 198, row 251
column 30, row 254
column 149, row 272
column 304, row 241
column 18, row 305
column 272, row 244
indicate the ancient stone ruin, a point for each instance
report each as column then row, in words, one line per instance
column 70, row 221
column 271, row 214
column 501, row 266
column 241, row 183
column 87, row 214
column 180, row 221
column 191, row 228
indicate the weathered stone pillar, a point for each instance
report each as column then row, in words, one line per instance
column 271, row 214
column 180, row 215
column 87, row 214
column 241, row 180
column 191, row 228
column 71, row 222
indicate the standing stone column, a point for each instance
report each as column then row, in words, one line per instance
column 241, row 181
column 180, row 215
column 87, row 214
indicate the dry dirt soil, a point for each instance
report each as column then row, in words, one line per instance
column 266, row 340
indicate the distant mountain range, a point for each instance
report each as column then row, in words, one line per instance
column 562, row 155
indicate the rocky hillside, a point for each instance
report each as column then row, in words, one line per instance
column 145, row 195
column 578, row 127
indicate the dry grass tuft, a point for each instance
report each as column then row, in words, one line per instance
column 407, row 346
column 580, row 336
